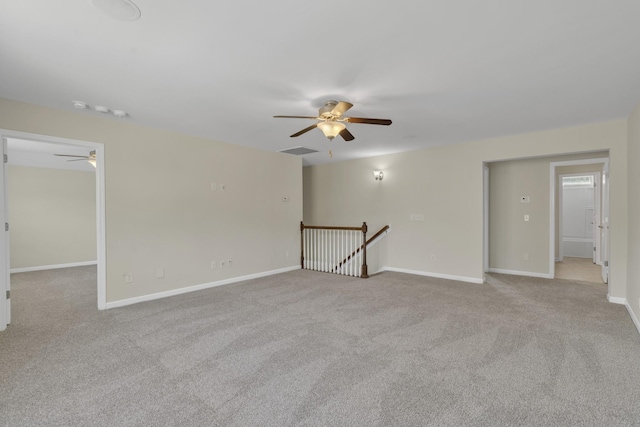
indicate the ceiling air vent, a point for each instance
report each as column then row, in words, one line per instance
column 298, row 151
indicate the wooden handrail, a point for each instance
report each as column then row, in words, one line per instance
column 320, row 227
column 354, row 253
column 375, row 236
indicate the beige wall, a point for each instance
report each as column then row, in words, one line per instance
column 445, row 184
column 633, row 285
column 53, row 216
column 161, row 212
column 510, row 236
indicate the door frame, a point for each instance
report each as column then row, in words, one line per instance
column 485, row 218
column 100, row 213
column 597, row 208
column 552, row 206
column 5, row 284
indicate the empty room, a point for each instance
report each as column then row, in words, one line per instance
column 286, row 214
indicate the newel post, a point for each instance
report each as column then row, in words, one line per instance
column 301, row 245
column 365, row 273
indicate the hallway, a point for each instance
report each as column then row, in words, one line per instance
column 580, row 269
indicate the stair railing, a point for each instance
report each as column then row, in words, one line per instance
column 334, row 249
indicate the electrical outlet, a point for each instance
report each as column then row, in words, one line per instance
column 433, row 257
column 128, row 278
column 223, row 187
column 526, row 218
column 223, row 264
column 213, row 265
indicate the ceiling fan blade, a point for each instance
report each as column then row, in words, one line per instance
column 346, row 135
column 78, row 160
column 305, row 130
column 340, row 108
column 384, row 122
column 295, row 117
column 69, row 155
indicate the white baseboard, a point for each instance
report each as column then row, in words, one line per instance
column 173, row 292
column 633, row 316
column 52, row 267
column 437, row 275
column 616, row 300
column 623, row 301
column 521, row 273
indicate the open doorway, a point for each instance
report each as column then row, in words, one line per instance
column 581, row 220
column 28, row 166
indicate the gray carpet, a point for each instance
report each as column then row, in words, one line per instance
column 307, row 349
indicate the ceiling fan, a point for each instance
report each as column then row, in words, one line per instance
column 332, row 122
column 91, row 158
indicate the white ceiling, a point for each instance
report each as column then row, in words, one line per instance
column 444, row 71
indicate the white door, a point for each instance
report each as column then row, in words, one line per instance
column 5, row 305
column 604, row 224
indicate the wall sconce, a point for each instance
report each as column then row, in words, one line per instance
column 378, row 175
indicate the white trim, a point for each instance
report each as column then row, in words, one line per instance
column 616, row 300
column 436, row 275
column 52, row 267
column 520, row 273
column 100, row 199
column 485, row 217
column 5, row 281
column 623, row 301
column 636, row 321
column 174, row 292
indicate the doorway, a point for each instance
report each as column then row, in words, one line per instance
column 61, row 144
column 579, row 203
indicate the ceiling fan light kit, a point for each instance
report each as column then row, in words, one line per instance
column 331, row 129
column 332, row 122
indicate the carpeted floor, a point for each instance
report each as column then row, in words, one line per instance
column 309, row 349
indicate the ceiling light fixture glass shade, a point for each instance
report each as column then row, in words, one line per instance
column 331, row 128
column 93, row 162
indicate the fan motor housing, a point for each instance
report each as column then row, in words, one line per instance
column 325, row 112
